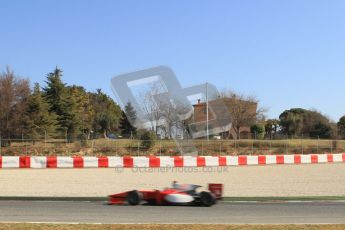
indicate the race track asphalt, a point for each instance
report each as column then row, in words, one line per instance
column 224, row 212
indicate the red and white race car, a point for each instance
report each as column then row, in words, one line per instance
column 179, row 194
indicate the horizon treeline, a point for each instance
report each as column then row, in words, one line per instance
column 57, row 110
column 54, row 110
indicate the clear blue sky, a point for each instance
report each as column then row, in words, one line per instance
column 288, row 53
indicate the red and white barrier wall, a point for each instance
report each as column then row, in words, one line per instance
column 163, row 161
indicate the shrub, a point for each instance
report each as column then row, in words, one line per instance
column 259, row 130
column 147, row 138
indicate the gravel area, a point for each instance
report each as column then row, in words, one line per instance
column 251, row 181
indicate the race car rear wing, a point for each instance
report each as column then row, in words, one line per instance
column 217, row 190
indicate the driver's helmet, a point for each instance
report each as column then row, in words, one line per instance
column 175, row 185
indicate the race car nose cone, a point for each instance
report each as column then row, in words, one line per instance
column 178, row 198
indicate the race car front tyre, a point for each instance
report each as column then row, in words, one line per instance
column 134, row 197
column 207, row 199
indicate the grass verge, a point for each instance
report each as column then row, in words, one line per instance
column 5, row 226
column 228, row 199
column 292, row 198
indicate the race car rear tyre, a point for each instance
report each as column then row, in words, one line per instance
column 134, row 197
column 207, row 199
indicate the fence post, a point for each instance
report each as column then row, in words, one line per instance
column 286, row 144
column 235, row 149
column 45, row 139
column 331, row 147
column 317, row 145
column 160, row 147
column 138, row 147
column 202, row 147
column 22, row 142
column 252, row 146
column 66, row 138
column 220, row 147
column 270, row 144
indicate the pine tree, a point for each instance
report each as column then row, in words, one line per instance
column 341, row 126
column 106, row 113
column 128, row 118
column 55, row 92
column 84, row 109
column 70, row 118
column 78, row 113
column 38, row 120
column 63, row 104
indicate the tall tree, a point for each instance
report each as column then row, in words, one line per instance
column 38, row 120
column 271, row 127
column 291, row 121
column 84, row 108
column 56, row 92
column 77, row 115
column 64, row 103
column 70, row 117
column 106, row 113
column 341, row 126
column 301, row 122
column 244, row 111
column 14, row 93
column 126, row 123
column 153, row 106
